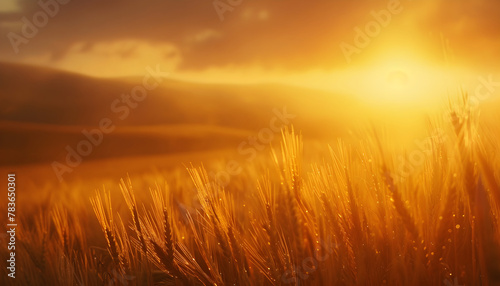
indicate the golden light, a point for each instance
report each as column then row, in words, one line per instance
column 398, row 79
column 401, row 80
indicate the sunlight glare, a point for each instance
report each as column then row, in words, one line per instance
column 399, row 81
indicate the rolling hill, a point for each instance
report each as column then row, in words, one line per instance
column 43, row 110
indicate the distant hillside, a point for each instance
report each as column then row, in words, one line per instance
column 32, row 94
column 43, row 110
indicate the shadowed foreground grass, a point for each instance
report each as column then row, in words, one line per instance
column 351, row 219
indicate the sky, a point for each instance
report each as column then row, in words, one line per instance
column 310, row 42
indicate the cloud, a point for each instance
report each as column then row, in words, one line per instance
column 9, row 6
column 275, row 33
column 470, row 26
column 117, row 58
column 293, row 35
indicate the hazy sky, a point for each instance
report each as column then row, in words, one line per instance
column 254, row 38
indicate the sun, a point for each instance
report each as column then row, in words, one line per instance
column 398, row 79
column 387, row 81
column 406, row 80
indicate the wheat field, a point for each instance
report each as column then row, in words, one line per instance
column 352, row 218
